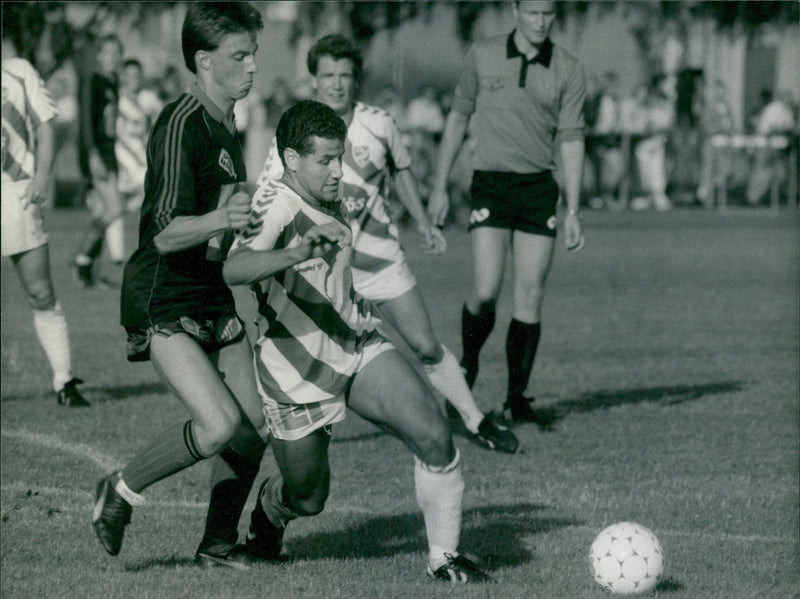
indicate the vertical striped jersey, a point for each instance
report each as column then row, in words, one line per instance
column 373, row 150
column 26, row 104
column 313, row 326
column 193, row 163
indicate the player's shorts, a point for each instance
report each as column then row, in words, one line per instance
column 388, row 283
column 22, row 226
column 290, row 422
column 520, row 202
column 211, row 334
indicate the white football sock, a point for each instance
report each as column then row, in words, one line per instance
column 51, row 329
column 115, row 239
column 439, row 492
column 447, row 378
column 127, row 494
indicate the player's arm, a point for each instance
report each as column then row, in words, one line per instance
column 406, row 187
column 184, row 232
column 246, row 265
column 573, row 150
column 455, row 129
column 45, row 152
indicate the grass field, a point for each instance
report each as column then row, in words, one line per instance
column 666, row 384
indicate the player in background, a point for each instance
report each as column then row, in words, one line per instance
column 525, row 96
column 320, row 350
column 380, row 270
column 175, row 307
column 98, row 133
column 28, row 148
column 136, row 112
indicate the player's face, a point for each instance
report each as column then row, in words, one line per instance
column 233, row 65
column 335, row 83
column 131, row 78
column 320, row 172
column 534, row 20
column 110, row 57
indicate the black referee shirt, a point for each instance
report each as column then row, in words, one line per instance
column 193, row 159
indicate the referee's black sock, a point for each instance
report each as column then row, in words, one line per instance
column 521, row 344
column 475, row 329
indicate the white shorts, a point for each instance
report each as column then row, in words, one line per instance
column 388, row 283
column 22, row 227
column 290, row 422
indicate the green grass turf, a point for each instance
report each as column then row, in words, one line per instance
column 666, row 385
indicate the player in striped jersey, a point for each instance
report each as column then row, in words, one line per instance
column 320, row 349
column 380, row 271
column 28, row 148
column 175, row 307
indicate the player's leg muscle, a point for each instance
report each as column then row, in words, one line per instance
column 489, row 248
column 407, row 313
column 306, row 471
column 533, row 255
column 33, row 269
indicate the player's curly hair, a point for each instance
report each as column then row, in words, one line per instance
column 337, row 47
column 305, row 120
column 207, row 23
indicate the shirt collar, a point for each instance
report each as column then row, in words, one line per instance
column 544, row 56
column 214, row 111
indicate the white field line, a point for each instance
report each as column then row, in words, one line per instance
column 108, row 463
column 103, row 460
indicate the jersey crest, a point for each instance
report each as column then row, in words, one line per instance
column 226, row 163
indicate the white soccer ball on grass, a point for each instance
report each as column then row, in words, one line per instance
column 626, row 558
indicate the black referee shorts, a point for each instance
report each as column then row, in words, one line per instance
column 516, row 201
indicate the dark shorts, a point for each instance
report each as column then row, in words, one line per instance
column 520, row 202
column 211, row 334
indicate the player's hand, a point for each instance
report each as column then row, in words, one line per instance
column 434, row 243
column 438, row 206
column 35, row 193
column 573, row 235
column 321, row 239
column 97, row 167
column 237, row 210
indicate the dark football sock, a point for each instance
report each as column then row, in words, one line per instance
column 521, row 344
column 172, row 451
column 232, row 477
column 475, row 329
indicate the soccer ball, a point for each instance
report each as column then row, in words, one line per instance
column 626, row 558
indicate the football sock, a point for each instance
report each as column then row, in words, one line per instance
column 439, row 493
column 172, row 451
column 51, row 329
column 232, row 477
column 276, row 503
column 475, row 329
column 115, row 239
column 521, row 344
column 126, row 493
column 447, row 378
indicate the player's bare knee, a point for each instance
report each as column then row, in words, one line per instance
column 220, row 432
column 309, row 502
column 40, row 296
column 433, row 445
column 429, row 351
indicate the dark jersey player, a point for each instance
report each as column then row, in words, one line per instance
column 175, row 307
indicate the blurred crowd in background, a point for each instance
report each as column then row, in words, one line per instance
column 672, row 140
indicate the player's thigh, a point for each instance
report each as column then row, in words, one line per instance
column 186, row 368
column 533, row 256
column 390, row 393
column 305, row 468
column 489, row 247
column 108, row 199
column 235, row 364
column 408, row 314
column 33, row 269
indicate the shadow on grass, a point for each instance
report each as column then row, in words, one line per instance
column 97, row 394
column 160, row 562
column 548, row 416
column 668, row 585
column 493, row 533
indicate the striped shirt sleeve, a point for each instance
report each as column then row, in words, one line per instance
column 172, row 150
column 42, row 107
